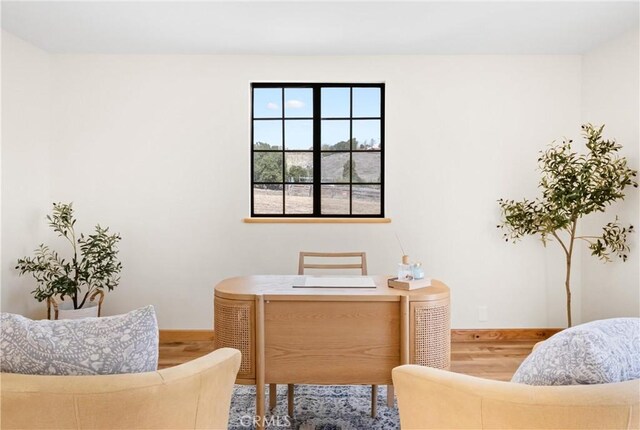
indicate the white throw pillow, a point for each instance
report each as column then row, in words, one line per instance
column 91, row 346
column 598, row 352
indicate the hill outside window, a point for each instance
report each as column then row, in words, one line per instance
column 317, row 150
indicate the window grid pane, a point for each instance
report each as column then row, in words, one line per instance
column 298, row 167
column 335, row 200
column 268, row 199
column 298, row 135
column 298, row 199
column 298, row 103
column 267, row 167
column 365, row 199
column 267, row 103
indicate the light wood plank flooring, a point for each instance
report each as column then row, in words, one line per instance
column 493, row 359
column 497, row 359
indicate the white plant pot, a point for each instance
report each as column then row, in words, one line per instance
column 66, row 311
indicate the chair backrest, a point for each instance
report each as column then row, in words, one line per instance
column 304, row 264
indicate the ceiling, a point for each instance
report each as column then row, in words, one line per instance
column 318, row 28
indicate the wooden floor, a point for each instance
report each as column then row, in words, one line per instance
column 497, row 359
column 494, row 359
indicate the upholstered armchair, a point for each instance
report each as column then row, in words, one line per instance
column 437, row 399
column 194, row 395
column 585, row 377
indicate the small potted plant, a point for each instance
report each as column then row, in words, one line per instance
column 92, row 268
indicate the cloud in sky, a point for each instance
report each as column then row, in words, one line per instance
column 294, row 104
column 272, row 106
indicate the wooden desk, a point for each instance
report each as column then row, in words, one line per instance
column 329, row 335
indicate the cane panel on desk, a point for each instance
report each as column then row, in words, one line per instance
column 237, row 317
column 431, row 338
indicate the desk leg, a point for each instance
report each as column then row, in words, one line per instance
column 290, row 392
column 390, row 396
column 404, row 330
column 374, row 401
column 260, row 361
column 273, row 396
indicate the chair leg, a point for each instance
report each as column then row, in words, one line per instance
column 374, row 403
column 390, row 396
column 273, row 391
column 290, row 399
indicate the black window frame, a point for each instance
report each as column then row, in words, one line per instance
column 317, row 148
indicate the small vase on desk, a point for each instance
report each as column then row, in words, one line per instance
column 404, row 269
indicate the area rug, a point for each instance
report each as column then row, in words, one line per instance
column 317, row 407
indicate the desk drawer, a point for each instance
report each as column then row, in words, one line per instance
column 324, row 342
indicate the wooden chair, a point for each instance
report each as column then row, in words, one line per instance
column 303, row 264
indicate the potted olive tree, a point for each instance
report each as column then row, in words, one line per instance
column 575, row 185
column 92, row 268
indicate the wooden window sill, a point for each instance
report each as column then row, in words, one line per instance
column 274, row 220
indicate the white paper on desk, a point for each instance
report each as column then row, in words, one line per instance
column 336, row 282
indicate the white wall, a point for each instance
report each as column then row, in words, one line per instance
column 26, row 174
column 157, row 148
column 610, row 88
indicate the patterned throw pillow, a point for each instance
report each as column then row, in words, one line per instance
column 91, row 346
column 598, row 352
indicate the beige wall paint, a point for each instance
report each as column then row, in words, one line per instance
column 610, row 76
column 26, row 174
column 157, row 147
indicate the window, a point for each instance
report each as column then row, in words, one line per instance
column 317, row 150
